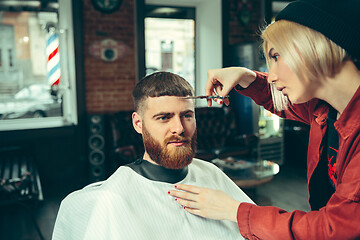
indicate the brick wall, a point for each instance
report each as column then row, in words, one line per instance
column 109, row 84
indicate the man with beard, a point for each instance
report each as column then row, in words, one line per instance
column 134, row 202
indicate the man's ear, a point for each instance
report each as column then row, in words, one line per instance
column 137, row 122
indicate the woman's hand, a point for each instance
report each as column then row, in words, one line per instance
column 206, row 202
column 221, row 81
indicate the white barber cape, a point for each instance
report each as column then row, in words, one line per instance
column 129, row 206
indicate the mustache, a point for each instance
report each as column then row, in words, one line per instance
column 177, row 138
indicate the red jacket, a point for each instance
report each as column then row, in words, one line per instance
column 340, row 218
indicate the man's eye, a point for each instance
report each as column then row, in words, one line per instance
column 162, row 118
column 188, row 115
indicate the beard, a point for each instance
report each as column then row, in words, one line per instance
column 173, row 158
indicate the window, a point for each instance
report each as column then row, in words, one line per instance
column 170, row 41
column 208, row 37
column 37, row 76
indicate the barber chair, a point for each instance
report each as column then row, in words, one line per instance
column 218, row 136
column 125, row 144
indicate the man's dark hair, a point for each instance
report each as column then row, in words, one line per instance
column 160, row 84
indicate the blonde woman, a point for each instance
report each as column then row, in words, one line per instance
column 312, row 51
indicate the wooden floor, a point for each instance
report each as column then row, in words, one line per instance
column 287, row 190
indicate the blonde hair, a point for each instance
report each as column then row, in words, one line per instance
column 308, row 53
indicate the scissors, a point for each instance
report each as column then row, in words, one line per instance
column 207, row 97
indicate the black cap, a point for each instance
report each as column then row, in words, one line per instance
column 338, row 20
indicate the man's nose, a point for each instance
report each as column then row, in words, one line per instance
column 177, row 126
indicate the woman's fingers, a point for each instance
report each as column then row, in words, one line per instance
column 206, row 202
column 186, row 199
column 217, row 84
column 226, row 101
column 184, row 195
column 212, row 84
column 218, row 89
column 187, row 204
column 188, row 188
column 195, row 211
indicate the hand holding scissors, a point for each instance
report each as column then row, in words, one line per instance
column 221, row 81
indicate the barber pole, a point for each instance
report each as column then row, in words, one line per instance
column 53, row 62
